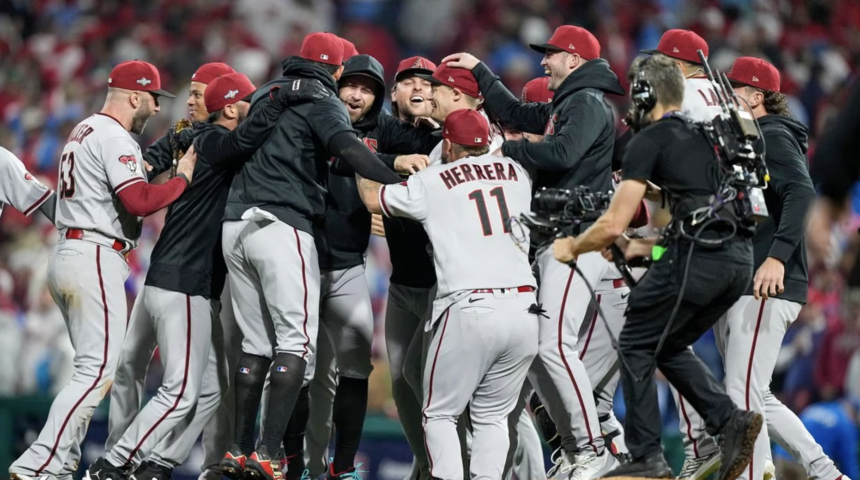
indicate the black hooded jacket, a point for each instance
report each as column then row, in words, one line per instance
column 287, row 174
column 343, row 237
column 788, row 197
column 578, row 125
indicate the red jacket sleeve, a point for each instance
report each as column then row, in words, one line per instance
column 143, row 199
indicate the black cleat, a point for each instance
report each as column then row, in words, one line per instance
column 737, row 442
column 652, row 466
column 101, row 469
column 151, row 471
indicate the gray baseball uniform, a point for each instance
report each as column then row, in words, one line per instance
column 18, row 187
column 469, row 364
column 86, row 275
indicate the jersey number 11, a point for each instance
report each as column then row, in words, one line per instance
column 499, row 193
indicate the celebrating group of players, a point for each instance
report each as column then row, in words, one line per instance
column 271, row 207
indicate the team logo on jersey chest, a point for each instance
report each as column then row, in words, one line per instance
column 28, row 176
column 129, row 161
column 550, row 125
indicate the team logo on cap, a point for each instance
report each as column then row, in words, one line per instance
column 570, row 46
column 675, row 50
column 755, row 79
column 451, row 79
column 418, row 63
column 144, row 81
column 231, row 93
column 324, row 56
column 129, row 161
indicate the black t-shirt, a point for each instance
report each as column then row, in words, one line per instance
column 675, row 155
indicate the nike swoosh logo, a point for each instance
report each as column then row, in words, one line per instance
column 473, row 300
column 625, row 295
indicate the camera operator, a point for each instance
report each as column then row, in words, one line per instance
column 675, row 154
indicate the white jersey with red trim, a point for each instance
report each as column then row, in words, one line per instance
column 99, row 161
column 18, row 187
column 465, row 207
column 497, row 138
column 700, row 101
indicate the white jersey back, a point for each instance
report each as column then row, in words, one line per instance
column 464, row 207
column 18, row 187
column 99, row 161
column 497, row 138
column 700, row 101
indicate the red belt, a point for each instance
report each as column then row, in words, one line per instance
column 618, row 283
column 523, row 289
column 78, row 234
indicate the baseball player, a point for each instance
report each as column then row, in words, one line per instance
column 140, row 341
column 750, row 334
column 269, row 249
column 21, row 189
column 187, row 270
column 102, row 195
column 412, row 272
column 579, row 134
column 342, row 240
column 485, row 292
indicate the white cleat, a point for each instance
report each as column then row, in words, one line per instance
column 700, row 468
column 591, row 466
column 560, row 464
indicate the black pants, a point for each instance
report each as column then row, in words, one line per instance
column 713, row 285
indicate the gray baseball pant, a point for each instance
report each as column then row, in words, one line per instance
column 87, row 281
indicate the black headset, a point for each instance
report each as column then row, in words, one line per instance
column 641, row 92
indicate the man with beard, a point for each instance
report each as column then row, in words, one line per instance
column 345, row 310
column 183, row 287
column 102, row 195
column 579, row 135
column 275, row 199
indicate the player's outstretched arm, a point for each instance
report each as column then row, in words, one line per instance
column 142, row 199
column 368, row 190
column 347, row 147
column 526, row 117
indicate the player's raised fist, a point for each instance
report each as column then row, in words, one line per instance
column 410, row 164
column 187, row 163
column 461, row 60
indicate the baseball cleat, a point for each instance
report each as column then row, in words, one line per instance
column 261, row 467
column 652, row 466
column 151, row 471
column 591, row 465
column 699, row 468
column 211, row 473
column 351, row 474
column 737, row 442
column 101, row 469
column 560, row 464
column 232, row 465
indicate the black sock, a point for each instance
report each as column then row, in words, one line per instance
column 350, row 407
column 249, row 380
column 546, row 426
column 294, row 439
column 285, row 382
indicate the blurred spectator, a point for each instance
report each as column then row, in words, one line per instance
column 839, row 345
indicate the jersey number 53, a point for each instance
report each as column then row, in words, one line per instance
column 67, row 175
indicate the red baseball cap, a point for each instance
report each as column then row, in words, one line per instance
column 323, row 47
column 458, row 78
column 537, row 90
column 210, row 71
column 227, row 90
column 467, row 127
column 754, row 72
column 571, row 39
column 681, row 44
column 349, row 49
column 413, row 65
column 137, row 75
